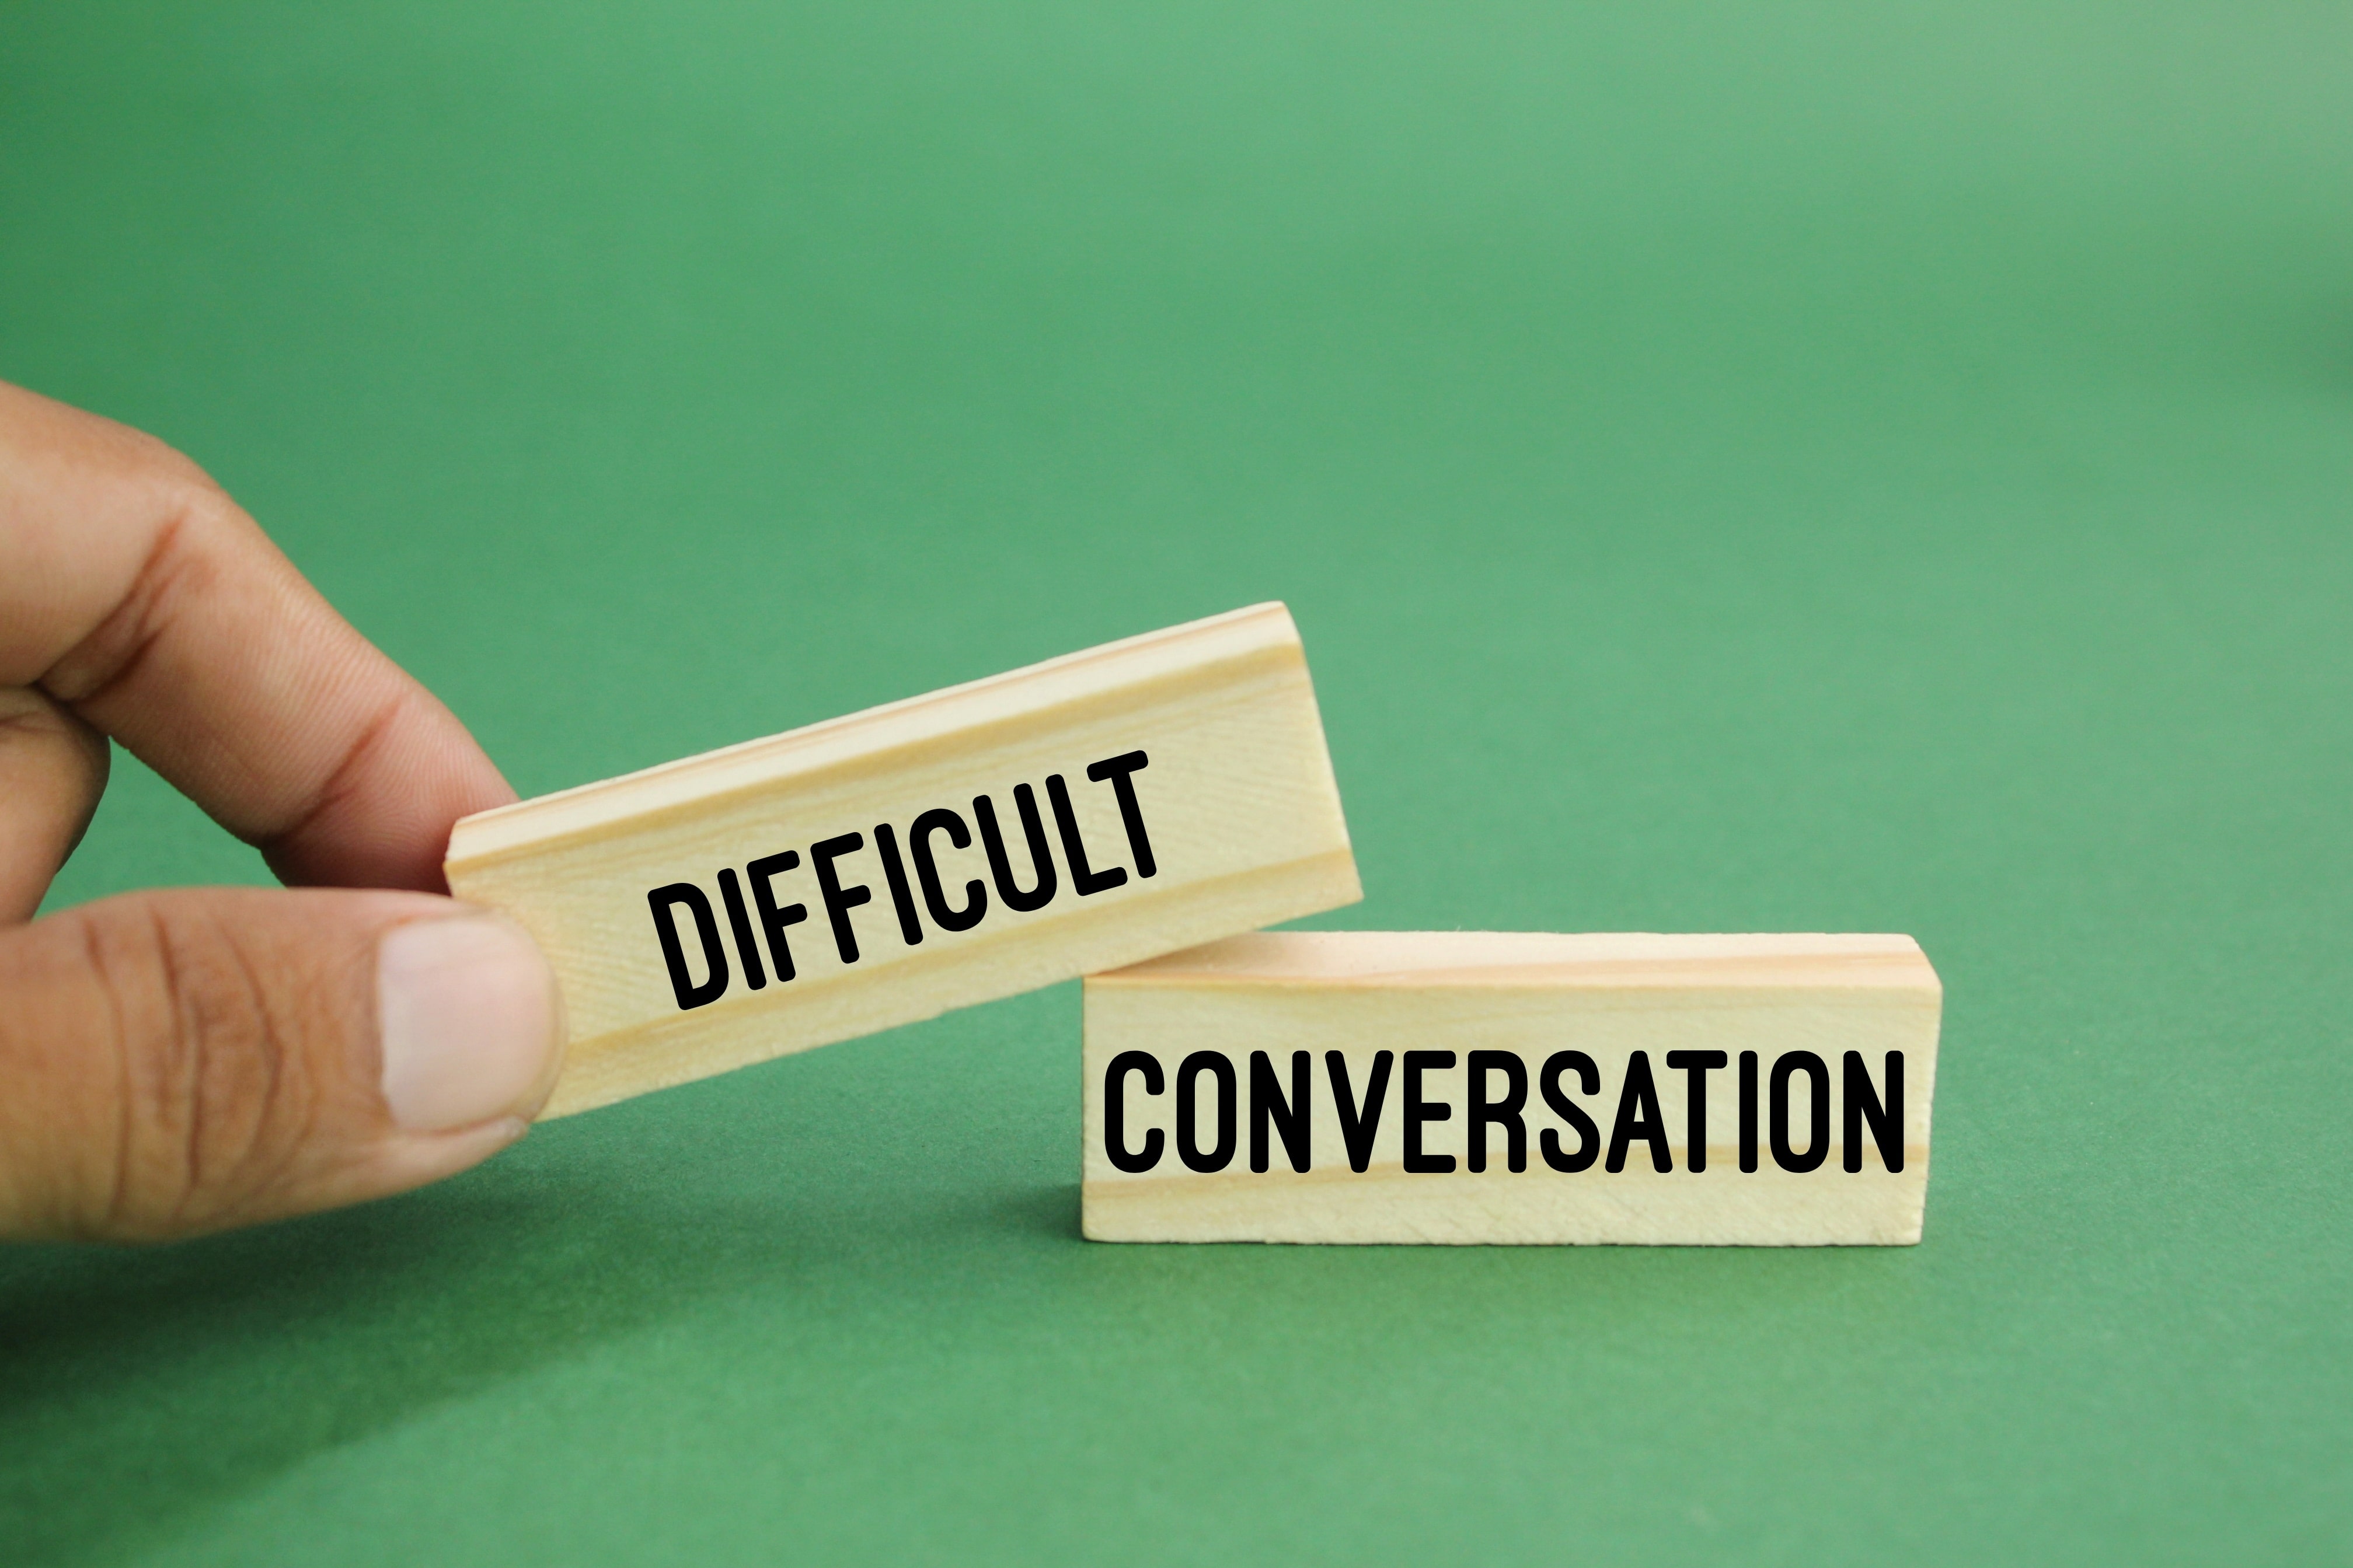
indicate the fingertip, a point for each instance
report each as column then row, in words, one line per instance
column 471, row 1024
column 187, row 1061
column 409, row 1160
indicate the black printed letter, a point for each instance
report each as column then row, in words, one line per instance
column 1074, row 848
column 746, row 947
column 1290, row 1117
column 1588, row 1136
column 1417, row 1112
column 1504, row 1113
column 1778, row 1098
column 774, row 920
column 1188, row 1145
column 1696, row 1065
column 1748, row 1111
column 1120, row 771
column 886, row 844
column 662, row 900
column 839, row 900
column 1041, row 858
column 1115, row 1111
column 1886, row 1120
column 1638, row 1117
column 940, row 819
column 1357, row 1124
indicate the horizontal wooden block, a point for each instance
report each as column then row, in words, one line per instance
column 980, row 841
column 1499, row 1087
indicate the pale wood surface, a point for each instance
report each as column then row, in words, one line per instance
column 1532, row 994
column 1237, row 798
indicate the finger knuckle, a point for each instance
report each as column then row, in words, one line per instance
column 175, row 568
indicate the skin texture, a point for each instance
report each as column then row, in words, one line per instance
column 184, row 1061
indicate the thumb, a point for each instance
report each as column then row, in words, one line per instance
column 184, row 1061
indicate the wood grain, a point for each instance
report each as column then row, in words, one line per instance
column 1528, row 995
column 1240, row 821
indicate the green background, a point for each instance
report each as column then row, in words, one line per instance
column 1803, row 467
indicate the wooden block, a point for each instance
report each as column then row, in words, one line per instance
column 1315, row 1085
column 983, row 840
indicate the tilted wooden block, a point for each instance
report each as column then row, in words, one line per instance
column 980, row 841
column 1498, row 1087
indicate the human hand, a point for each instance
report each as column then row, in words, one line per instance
column 175, row 1062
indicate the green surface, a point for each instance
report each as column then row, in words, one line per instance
column 1785, row 468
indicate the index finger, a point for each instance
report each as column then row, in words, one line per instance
column 136, row 593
